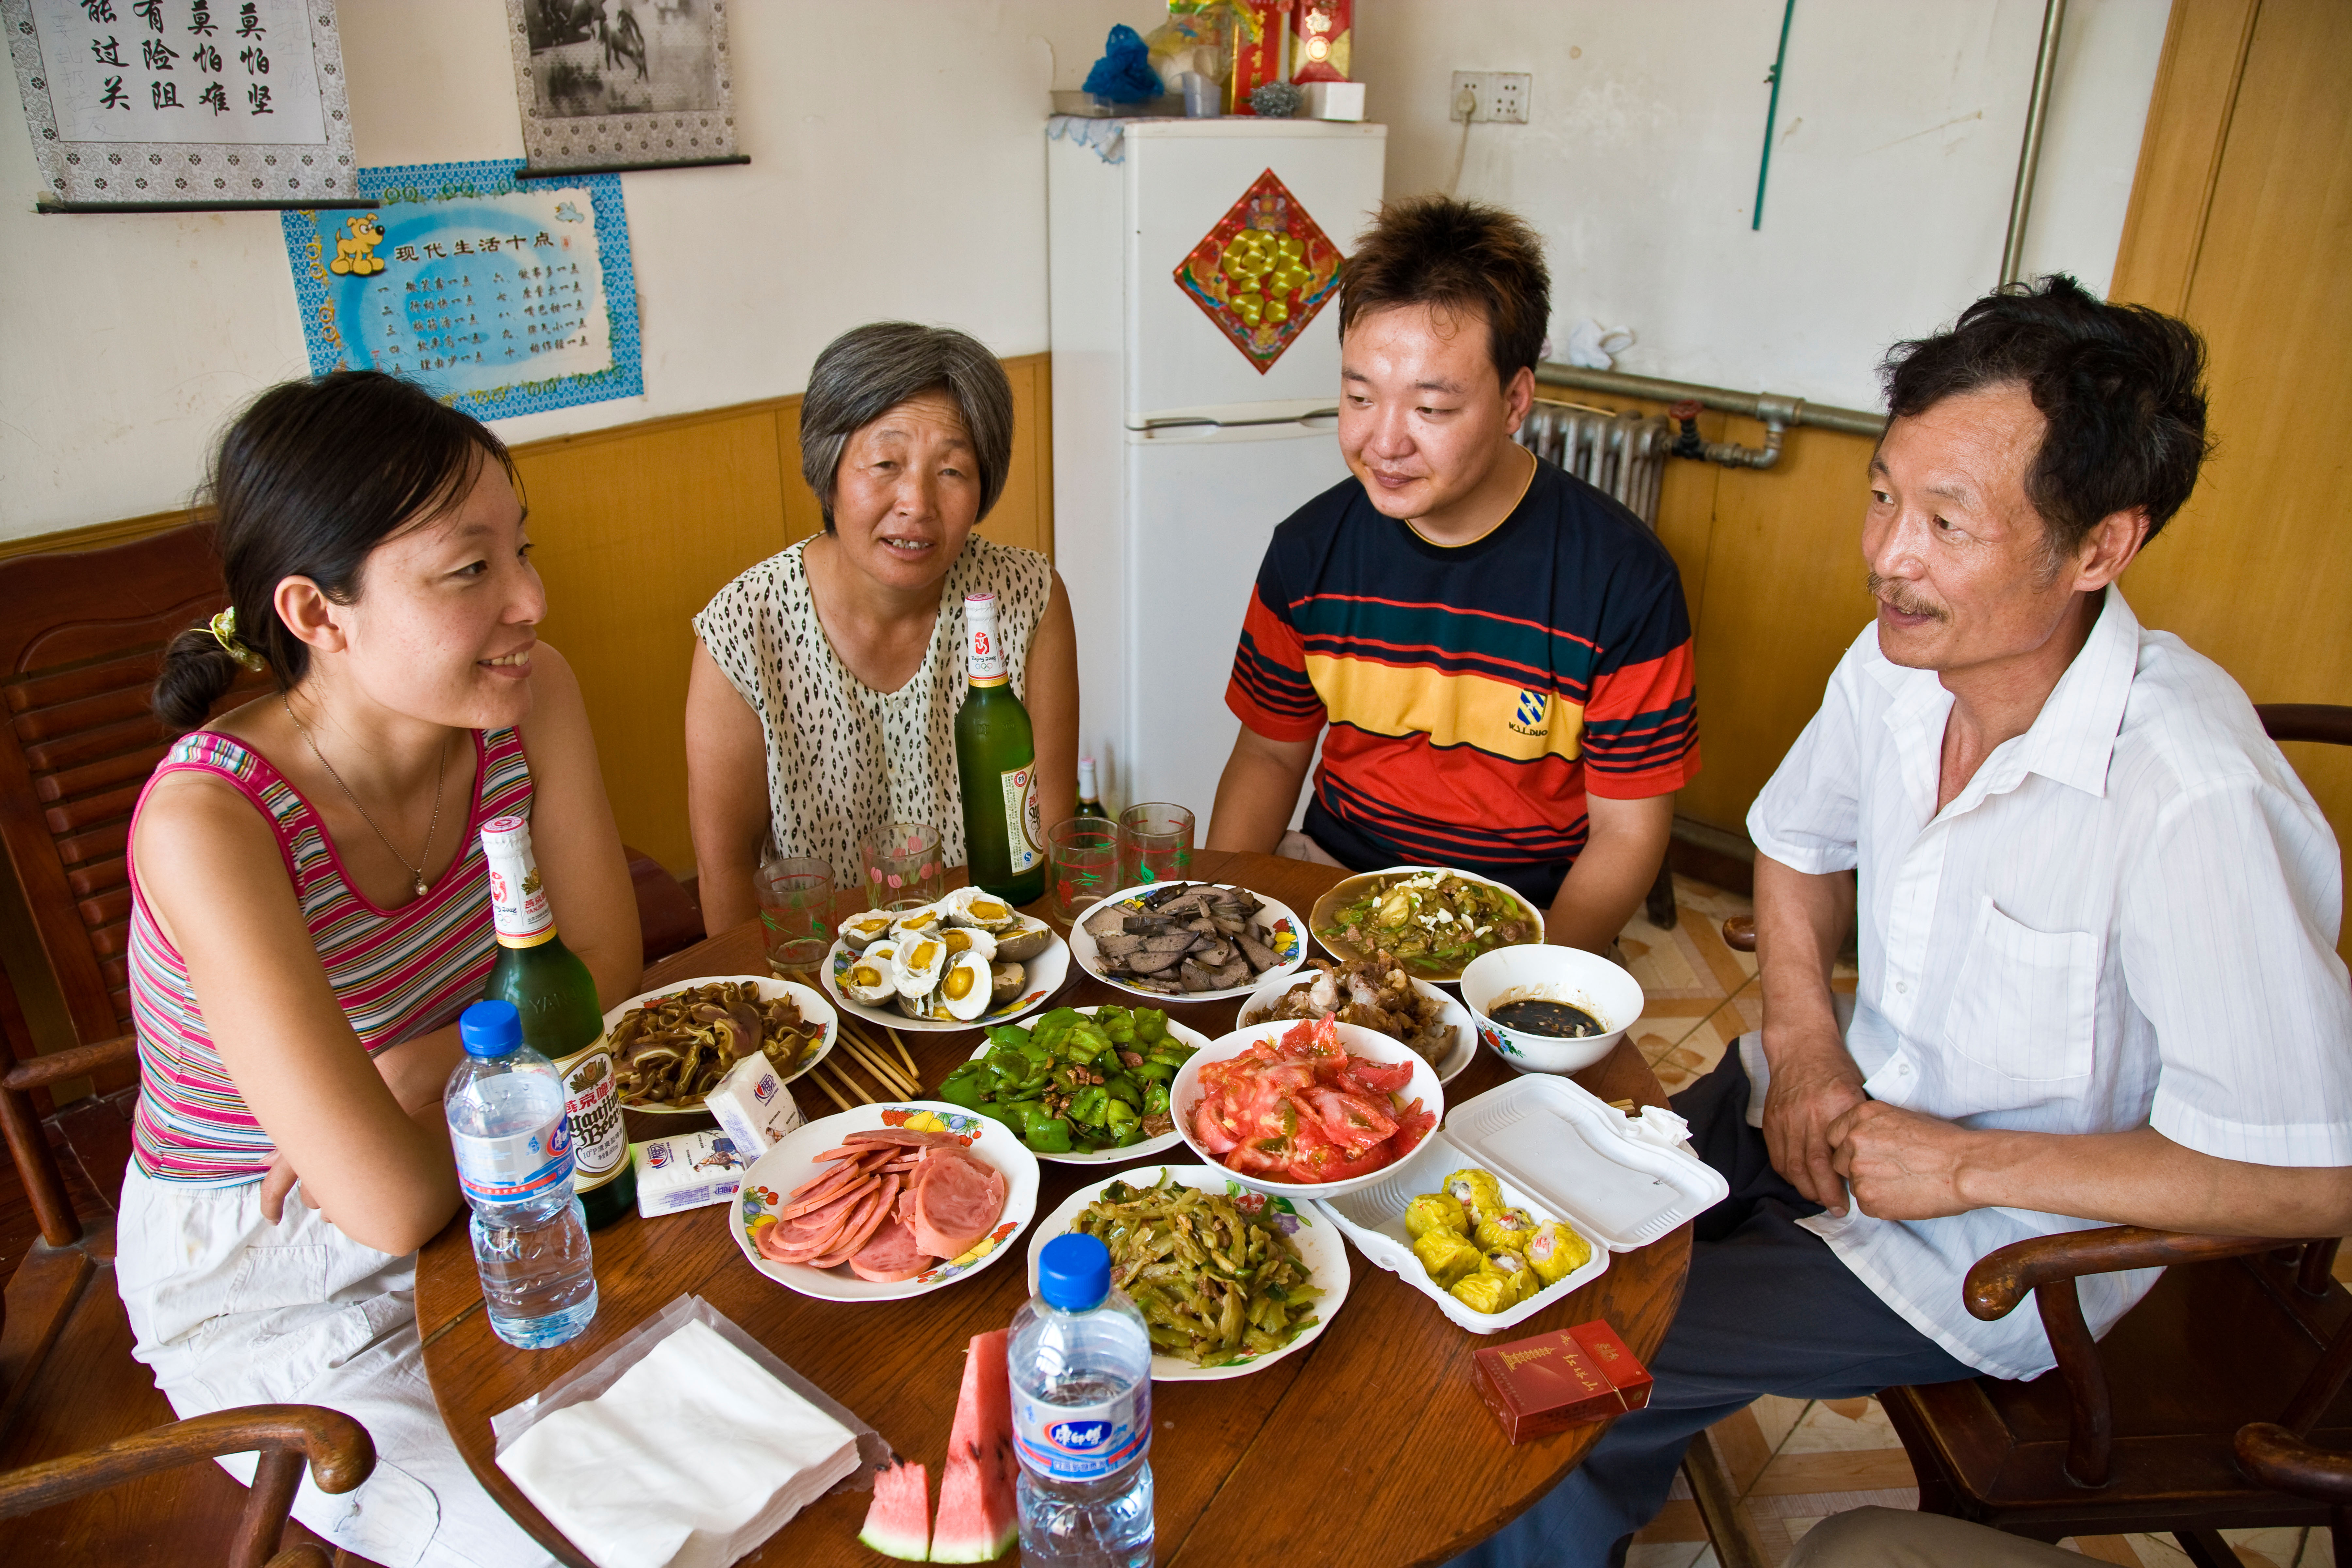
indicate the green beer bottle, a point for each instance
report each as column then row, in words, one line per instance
column 996, row 767
column 1089, row 806
column 556, row 997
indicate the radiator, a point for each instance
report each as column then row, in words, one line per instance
column 1620, row 454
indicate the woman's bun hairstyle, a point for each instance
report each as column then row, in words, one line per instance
column 310, row 478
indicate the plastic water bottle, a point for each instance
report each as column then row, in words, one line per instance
column 1081, row 1366
column 513, row 1146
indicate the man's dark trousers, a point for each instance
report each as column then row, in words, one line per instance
column 1768, row 1309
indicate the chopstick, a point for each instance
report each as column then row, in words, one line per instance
column 903, row 1054
column 866, row 1056
column 849, row 1083
column 830, row 1092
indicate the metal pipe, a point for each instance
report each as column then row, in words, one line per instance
column 1762, row 406
column 2029, row 155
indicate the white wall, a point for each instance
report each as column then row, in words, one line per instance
column 1895, row 152
column 897, row 169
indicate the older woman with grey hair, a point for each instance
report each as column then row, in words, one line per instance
column 826, row 679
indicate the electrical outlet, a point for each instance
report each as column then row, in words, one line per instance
column 1498, row 95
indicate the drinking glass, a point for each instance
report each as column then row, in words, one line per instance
column 902, row 866
column 1155, row 844
column 1085, row 854
column 796, row 914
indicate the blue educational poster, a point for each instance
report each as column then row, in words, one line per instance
column 500, row 296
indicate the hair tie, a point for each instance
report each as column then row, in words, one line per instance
column 224, row 629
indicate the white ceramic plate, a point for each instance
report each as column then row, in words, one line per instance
column 815, row 1009
column 1259, row 1009
column 1353, row 887
column 1184, row 1097
column 1289, row 943
column 1146, row 1148
column 1315, row 1236
column 768, row 1186
column 1046, row 972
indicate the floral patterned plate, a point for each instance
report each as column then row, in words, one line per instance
column 767, row 1184
column 1317, row 1239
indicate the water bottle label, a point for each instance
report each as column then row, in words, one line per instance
column 1081, row 1442
column 516, row 1167
column 600, row 1143
column 1025, row 839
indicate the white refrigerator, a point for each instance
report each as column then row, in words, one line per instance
column 1175, row 454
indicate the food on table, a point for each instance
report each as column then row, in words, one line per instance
column 899, row 1520
column 978, row 1516
column 1436, row 1211
column 674, row 1050
column 1448, row 1256
column 1432, row 921
column 1303, row 1108
column 1513, row 1255
column 1555, row 1020
column 982, row 911
column 861, row 930
column 948, row 962
column 890, row 1203
column 1212, row 1280
column 1508, row 1227
column 872, row 978
column 1073, row 1084
column 1372, row 993
column 1554, row 1252
column 1184, row 937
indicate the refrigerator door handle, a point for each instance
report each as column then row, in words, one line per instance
column 1173, row 422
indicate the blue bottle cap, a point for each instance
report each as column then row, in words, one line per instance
column 1074, row 1272
column 495, row 1028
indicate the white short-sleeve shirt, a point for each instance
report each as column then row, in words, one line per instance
column 2127, row 918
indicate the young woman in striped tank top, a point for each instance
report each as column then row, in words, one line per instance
column 311, row 913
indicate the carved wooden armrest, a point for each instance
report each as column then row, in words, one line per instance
column 340, row 1453
column 1739, row 934
column 72, row 1062
column 2277, row 1459
column 2325, row 721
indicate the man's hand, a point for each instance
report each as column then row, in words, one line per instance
column 1813, row 1084
column 1901, row 1165
column 277, row 1184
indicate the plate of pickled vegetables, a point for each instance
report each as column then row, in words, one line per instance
column 1228, row 1279
column 1432, row 918
column 1080, row 1085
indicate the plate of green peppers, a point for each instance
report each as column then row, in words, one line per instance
column 1083, row 1086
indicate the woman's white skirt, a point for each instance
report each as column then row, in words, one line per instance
column 230, row 1310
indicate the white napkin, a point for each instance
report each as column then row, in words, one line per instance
column 1658, row 1125
column 693, row 1456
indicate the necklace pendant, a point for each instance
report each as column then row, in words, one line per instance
column 420, row 887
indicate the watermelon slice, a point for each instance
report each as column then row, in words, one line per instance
column 978, row 1516
column 899, row 1524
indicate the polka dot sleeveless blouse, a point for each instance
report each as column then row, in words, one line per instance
column 842, row 758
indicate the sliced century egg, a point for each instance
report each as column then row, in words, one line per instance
column 872, row 976
column 861, row 930
column 920, row 962
column 971, row 907
column 962, row 940
column 965, row 988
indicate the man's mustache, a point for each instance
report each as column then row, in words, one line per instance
column 1893, row 595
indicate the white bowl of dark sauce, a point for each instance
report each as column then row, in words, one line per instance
column 1549, row 1009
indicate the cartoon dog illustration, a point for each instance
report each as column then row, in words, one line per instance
column 355, row 252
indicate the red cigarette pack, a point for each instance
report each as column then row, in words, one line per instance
column 1538, row 1386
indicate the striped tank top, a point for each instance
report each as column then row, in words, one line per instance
column 397, row 975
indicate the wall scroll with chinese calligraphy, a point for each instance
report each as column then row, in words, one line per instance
column 184, row 103
column 498, row 297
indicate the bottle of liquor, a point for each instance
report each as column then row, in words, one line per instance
column 1088, row 803
column 996, row 767
column 556, row 997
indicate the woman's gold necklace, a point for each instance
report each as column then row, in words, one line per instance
column 439, row 779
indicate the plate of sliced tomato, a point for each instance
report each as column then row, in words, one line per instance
column 1313, row 1108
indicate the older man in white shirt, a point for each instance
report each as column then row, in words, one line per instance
column 2098, row 915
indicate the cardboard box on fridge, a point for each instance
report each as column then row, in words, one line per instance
column 753, row 1106
column 1538, row 1386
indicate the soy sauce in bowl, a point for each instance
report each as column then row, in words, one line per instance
column 1558, row 1020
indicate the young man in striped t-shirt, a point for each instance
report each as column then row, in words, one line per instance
column 1495, row 655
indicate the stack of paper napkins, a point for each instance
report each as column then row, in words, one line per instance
column 691, row 1459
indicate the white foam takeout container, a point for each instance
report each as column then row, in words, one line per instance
column 1557, row 1150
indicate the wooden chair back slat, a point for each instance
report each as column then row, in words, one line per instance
column 89, row 728
column 48, row 688
column 91, row 810
column 127, row 767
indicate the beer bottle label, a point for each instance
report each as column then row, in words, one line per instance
column 1025, row 838
column 987, row 654
column 518, row 906
column 600, row 1142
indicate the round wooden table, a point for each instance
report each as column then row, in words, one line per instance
column 1370, row 1446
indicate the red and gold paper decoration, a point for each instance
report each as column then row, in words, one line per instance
column 1263, row 272
column 1318, row 46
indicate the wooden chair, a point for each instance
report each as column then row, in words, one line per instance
column 2278, row 1457
column 336, row 1447
column 2142, row 1431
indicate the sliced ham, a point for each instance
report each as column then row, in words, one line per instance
column 890, row 1256
column 957, row 1201
column 902, row 1135
column 822, row 1196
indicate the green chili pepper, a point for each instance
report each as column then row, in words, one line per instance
column 1155, row 1098
column 1087, row 1105
column 1047, row 1135
column 1121, row 1087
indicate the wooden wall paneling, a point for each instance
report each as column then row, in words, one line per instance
column 636, row 530
column 1024, row 514
column 2255, row 572
column 803, row 516
column 2196, row 85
